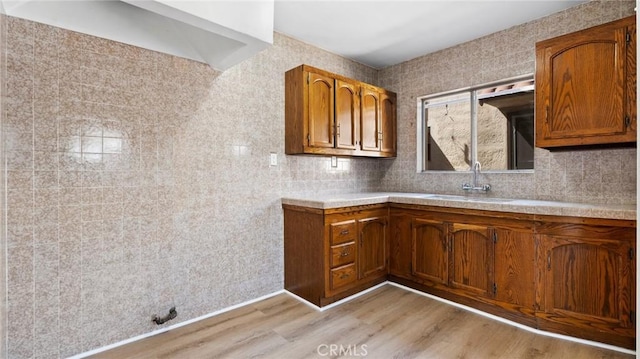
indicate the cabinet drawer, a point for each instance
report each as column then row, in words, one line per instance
column 342, row 276
column 343, row 232
column 343, row 254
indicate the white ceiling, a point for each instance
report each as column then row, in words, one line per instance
column 384, row 33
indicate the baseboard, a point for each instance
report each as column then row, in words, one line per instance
column 337, row 303
column 518, row 325
column 177, row 325
column 347, row 299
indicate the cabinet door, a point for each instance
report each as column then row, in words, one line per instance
column 347, row 114
column 321, row 110
column 372, row 254
column 429, row 251
column 400, row 247
column 588, row 282
column 514, row 267
column 369, row 119
column 388, row 122
column 471, row 261
column 581, row 87
column 631, row 78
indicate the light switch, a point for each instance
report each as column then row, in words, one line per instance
column 334, row 161
column 273, row 159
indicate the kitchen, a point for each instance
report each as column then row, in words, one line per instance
column 179, row 206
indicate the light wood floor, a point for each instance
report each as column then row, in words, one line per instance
column 388, row 322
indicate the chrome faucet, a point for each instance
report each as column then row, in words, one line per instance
column 475, row 186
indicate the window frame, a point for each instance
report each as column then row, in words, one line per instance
column 421, row 125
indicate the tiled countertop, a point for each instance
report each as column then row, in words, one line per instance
column 611, row 211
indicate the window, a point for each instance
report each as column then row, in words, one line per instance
column 491, row 124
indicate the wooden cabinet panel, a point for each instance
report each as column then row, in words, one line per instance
column 631, row 77
column 471, row 262
column 582, row 95
column 372, row 254
column 429, row 251
column 400, row 247
column 347, row 114
column 587, row 279
column 329, row 114
column 321, row 110
column 370, row 119
column 514, row 270
column 388, row 122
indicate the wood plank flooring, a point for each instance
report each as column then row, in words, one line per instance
column 388, row 322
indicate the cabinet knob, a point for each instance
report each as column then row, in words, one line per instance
column 344, row 275
column 344, row 232
column 344, row 253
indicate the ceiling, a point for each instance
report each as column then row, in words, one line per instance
column 384, row 33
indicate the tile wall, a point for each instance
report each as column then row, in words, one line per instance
column 138, row 181
column 607, row 176
column 3, row 225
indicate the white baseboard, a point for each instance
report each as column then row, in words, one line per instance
column 515, row 324
column 342, row 301
column 177, row 325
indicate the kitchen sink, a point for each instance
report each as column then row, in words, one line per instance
column 450, row 197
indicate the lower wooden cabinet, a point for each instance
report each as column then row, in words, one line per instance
column 478, row 258
column 372, row 252
column 573, row 276
column 333, row 253
column 471, row 265
column 514, row 268
column 429, row 250
column 587, row 280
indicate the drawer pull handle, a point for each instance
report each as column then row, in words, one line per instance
column 344, row 232
column 344, row 253
column 344, row 275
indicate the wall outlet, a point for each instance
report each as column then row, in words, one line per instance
column 273, row 159
column 334, row 161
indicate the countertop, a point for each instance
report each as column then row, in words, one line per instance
column 609, row 211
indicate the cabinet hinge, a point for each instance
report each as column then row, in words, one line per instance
column 495, row 238
column 308, row 139
column 631, row 254
column 628, row 37
column 627, row 121
column 308, row 78
column 495, row 289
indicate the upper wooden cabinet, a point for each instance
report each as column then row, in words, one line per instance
column 586, row 87
column 329, row 114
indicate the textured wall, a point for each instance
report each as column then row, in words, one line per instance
column 578, row 176
column 3, row 225
column 138, row 181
